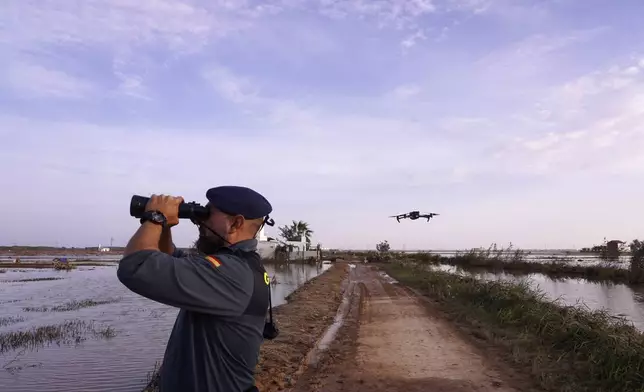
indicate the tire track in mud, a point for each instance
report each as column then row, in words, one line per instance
column 320, row 359
column 390, row 343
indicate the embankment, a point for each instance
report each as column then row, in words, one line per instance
column 13, row 251
column 563, row 348
column 302, row 321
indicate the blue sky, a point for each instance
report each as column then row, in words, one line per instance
column 517, row 121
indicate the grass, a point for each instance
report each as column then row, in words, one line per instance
column 72, row 305
column 563, row 348
column 69, row 332
column 152, row 378
column 58, row 265
column 8, row 320
column 30, row 280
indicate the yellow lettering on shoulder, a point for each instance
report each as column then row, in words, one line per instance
column 266, row 278
column 213, row 261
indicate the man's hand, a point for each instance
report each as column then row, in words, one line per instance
column 167, row 205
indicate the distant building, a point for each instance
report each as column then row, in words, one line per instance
column 296, row 250
column 261, row 235
column 265, row 248
column 612, row 248
column 102, row 249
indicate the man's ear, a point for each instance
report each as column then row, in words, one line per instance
column 237, row 223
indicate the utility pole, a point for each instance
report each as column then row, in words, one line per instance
column 111, row 242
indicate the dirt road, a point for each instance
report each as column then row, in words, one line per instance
column 391, row 342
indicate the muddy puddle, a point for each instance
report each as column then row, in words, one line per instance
column 91, row 361
column 619, row 299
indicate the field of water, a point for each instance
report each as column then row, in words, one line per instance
column 7, row 258
column 619, row 299
column 91, row 360
column 556, row 256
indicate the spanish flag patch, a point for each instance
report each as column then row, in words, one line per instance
column 214, row 261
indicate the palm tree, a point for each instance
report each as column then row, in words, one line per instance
column 295, row 231
column 302, row 228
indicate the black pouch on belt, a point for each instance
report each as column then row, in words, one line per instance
column 270, row 329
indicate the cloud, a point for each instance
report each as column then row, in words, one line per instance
column 532, row 55
column 482, row 113
column 596, row 124
column 412, row 39
column 126, row 30
column 474, row 6
column 34, row 81
column 406, row 91
column 614, row 79
column 230, row 86
column 177, row 24
column 397, row 13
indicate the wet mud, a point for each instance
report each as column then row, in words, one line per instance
column 391, row 341
column 302, row 321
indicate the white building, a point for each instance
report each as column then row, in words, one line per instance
column 261, row 235
column 266, row 248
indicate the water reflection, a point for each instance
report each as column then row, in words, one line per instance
column 619, row 299
column 288, row 277
column 119, row 364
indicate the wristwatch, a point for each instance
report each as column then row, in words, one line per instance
column 154, row 217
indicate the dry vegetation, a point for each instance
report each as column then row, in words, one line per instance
column 8, row 320
column 71, row 305
column 69, row 332
column 30, row 280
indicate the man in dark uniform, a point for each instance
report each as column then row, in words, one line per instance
column 222, row 292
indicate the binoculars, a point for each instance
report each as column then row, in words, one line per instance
column 192, row 210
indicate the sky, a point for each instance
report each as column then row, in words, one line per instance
column 518, row 121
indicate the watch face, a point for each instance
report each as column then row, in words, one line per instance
column 157, row 217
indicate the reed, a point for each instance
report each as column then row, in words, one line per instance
column 71, row 305
column 31, row 280
column 499, row 259
column 69, row 332
column 8, row 320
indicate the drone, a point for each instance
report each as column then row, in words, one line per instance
column 414, row 215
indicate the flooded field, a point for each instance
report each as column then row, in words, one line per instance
column 618, row 299
column 87, row 332
column 24, row 259
column 559, row 256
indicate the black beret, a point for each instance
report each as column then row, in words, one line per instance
column 239, row 200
